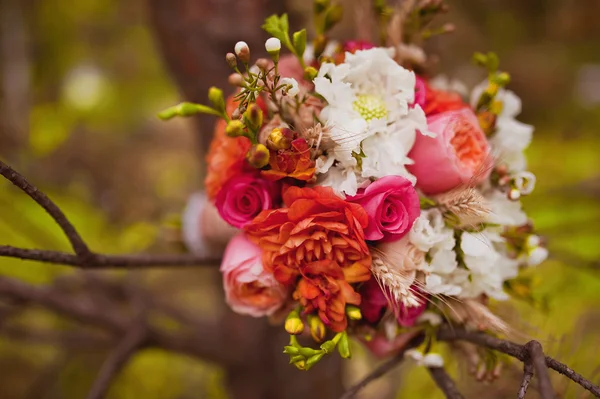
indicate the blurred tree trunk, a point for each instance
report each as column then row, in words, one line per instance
column 193, row 36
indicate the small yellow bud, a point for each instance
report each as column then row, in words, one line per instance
column 280, row 139
column 353, row 312
column 319, row 44
column 310, row 73
column 215, row 96
column 317, row 328
column 253, row 117
column 293, row 324
column 235, row 79
column 301, row 364
column 344, row 346
column 258, row 157
column 231, row 60
column 503, row 78
column 333, row 16
column 235, row 128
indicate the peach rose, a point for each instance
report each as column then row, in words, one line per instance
column 249, row 288
column 459, row 154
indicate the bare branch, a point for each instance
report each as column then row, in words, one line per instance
column 79, row 246
column 538, row 360
column 527, row 375
column 445, row 383
column 101, row 261
column 132, row 341
column 517, row 351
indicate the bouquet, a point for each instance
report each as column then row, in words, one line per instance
column 363, row 196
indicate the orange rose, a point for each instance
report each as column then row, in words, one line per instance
column 324, row 288
column 294, row 162
column 317, row 225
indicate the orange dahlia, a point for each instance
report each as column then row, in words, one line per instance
column 316, row 225
column 324, row 288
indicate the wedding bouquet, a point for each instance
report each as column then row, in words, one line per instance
column 365, row 197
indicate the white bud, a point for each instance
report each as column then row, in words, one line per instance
column 433, row 360
column 241, row 48
column 414, row 354
column 537, row 256
column 273, row 44
column 524, row 182
column 291, row 86
column 514, row 194
column 533, row 241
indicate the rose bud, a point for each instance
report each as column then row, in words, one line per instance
column 459, row 154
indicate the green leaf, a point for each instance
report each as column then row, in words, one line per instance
column 300, row 42
column 279, row 27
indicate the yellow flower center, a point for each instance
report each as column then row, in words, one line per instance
column 370, row 107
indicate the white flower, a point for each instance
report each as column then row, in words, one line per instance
column 341, row 180
column 366, row 94
column 272, row 45
column 504, row 211
column 537, row 256
column 512, row 137
column 429, row 229
column 241, row 48
column 291, row 86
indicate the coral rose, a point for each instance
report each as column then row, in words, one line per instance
column 249, row 288
column 324, row 288
column 459, row 154
column 392, row 204
column 243, row 197
column 316, row 225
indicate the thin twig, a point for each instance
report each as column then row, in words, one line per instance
column 79, row 246
column 538, row 360
column 380, row 371
column 527, row 375
column 517, row 351
column 101, row 261
column 445, row 383
column 132, row 341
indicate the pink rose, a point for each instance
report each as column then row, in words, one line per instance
column 459, row 154
column 392, row 205
column 243, row 197
column 249, row 289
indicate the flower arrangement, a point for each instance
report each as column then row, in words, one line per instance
column 367, row 198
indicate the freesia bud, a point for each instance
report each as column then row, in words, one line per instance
column 344, row 346
column 235, row 128
column 215, row 96
column 353, row 312
column 258, row 157
column 254, row 117
column 293, row 323
column 314, row 360
column 317, row 328
column 310, row 73
column 242, row 51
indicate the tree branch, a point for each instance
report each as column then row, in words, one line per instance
column 84, row 257
column 79, row 246
column 538, row 360
column 445, row 382
column 132, row 341
column 527, row 375
column 101, row 261
column 517, row 351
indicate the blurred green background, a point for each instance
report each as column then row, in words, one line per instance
column 81, row 84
